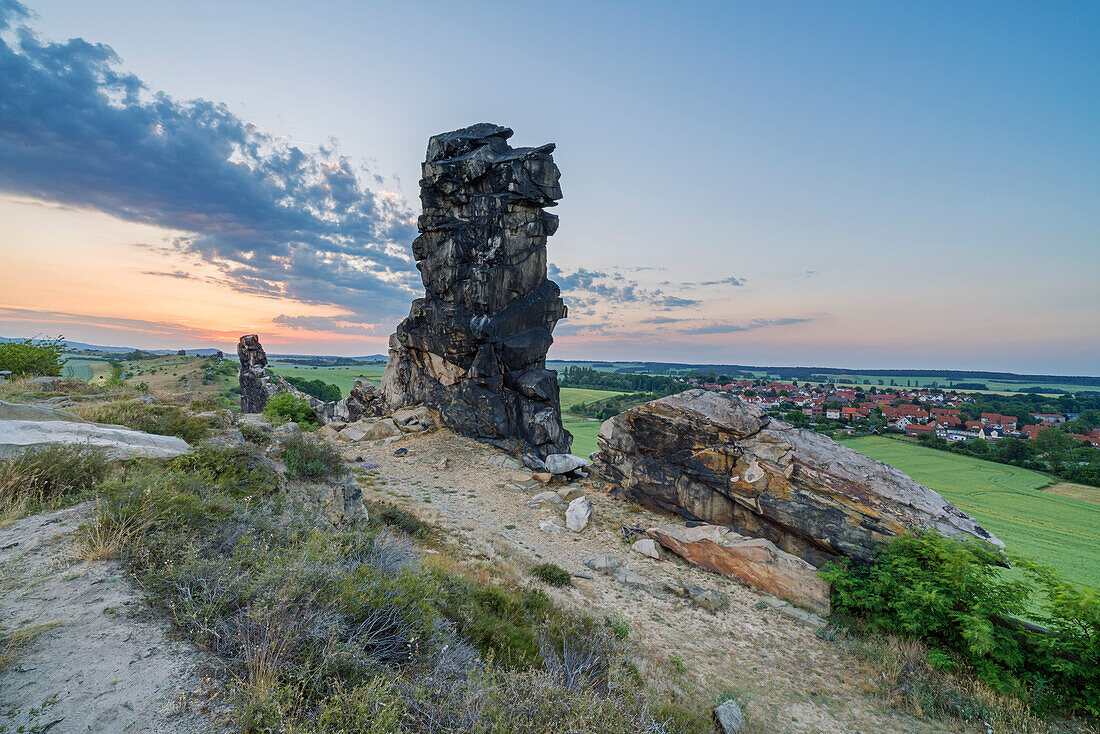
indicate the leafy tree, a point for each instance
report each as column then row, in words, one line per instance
column 1053, row 446
column 42, row 357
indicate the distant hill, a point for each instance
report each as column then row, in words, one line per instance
column 85, row 347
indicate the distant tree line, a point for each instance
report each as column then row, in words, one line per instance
column 656, row 385
column 317, row 388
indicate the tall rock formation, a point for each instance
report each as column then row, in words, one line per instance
column 713, row 457
column 256, row 386
column 475, row 346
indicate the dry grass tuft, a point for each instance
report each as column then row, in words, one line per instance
column 110, row 530
column 13, row 641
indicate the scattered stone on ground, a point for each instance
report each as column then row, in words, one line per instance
column 647, row 547
column 729, row 717
column 578, row 513
column 564, row 463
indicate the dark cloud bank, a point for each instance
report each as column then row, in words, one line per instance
column 277, row 219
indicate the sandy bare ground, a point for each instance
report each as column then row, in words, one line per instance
column 786, row 678
column 103, row 664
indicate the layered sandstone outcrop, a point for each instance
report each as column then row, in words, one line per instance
column 712, row 457
column 474, row 347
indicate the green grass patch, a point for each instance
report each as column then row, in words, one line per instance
column 43, row 477
column 571, row 396
column 1059, row 531
column 552, row 574
column 308, row 458
column 584, row 433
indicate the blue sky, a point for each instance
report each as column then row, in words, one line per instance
column 862, row 184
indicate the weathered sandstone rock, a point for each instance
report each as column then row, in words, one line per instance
column 117, row 441
column 364, row 400
column 712, row 457
column 474, row 347
column 754, row 560
column 647, row 547
column 256, row 386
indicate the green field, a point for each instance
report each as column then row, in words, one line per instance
column 571, row 396
column 84, row 368
column 1060, row 531
column 342, row 377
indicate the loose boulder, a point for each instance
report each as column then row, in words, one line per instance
column 712, row 457
column 474, row 348
column 729, row 717
column 578, row 513
column 564, row 463
column 754, row 560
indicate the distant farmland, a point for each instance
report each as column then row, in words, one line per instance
column 342, row 377
column 1062, row 532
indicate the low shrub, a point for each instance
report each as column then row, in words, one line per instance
column 42, row 476
column 953, row 596
column 254, row 434
column 242, row 471
column 309, row 458
column 330, row 631
column 287, row 407
column 552, row 574
column 382, row 514
column 164, row 420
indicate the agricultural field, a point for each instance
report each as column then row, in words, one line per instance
column 1061, row 531
column 584, row 430
column 85, row 368
column 342, row 377
column 571, row 396
column 181, row 375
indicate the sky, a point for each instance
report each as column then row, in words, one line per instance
column 877, row 185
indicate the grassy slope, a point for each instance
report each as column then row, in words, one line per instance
column 1060, row 531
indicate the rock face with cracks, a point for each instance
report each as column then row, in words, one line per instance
column 256, row 386
column 712, row 457
column 474, row 347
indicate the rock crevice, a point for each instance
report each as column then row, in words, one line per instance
column 474, row 347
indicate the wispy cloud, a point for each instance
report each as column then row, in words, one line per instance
column 137, row 327
column 277, row 219
column 331, row 324
column 733, row 327
column 178, row 274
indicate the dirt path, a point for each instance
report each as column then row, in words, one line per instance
column 787, row 678
column 101, row 663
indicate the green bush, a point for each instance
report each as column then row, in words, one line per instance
column 287, row 407
column 33, row 357
column 241, row 471
column 255, row 434
column 552, row 574
column 953, row 596
column 308, row 458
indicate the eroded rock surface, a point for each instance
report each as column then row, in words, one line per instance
column 256, row 386
column 118, row 442
column 711, row 457
column 475, row 346
column 754, row 560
